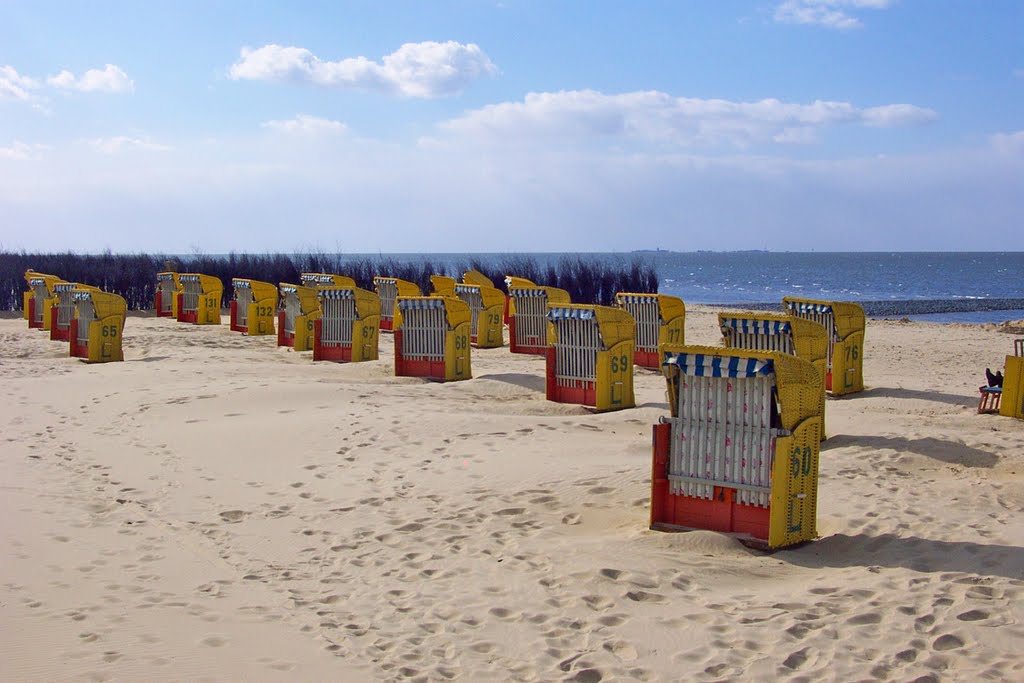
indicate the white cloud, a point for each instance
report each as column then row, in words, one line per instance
column 304, row 124
column 897, row 115
column 830, row 13
column 654, row 116
column 371, row 196
column 111, row 79
column 14, row 86
column 20, row 151
column 122, row 143
column 1009, row 144
column 427, row 69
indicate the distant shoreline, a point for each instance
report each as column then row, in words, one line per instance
column 902, row 307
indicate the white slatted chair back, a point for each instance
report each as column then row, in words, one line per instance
column 243, row 297
column 292, row 308
column 531, row 316
column 86, row 314
column 337, row 316
column 723, row 436
column 424, row 324
column 65, row 303
column 577, row 342
column 647, row 314
column 191, row 289
column 471, row 295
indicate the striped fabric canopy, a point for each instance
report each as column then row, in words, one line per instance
column 420, row 304
column 36, row 282
column 237, row 282
column 188, row 278
column 81, row 295
column 164, row 276
column 337, row 293
column 755, row 326
column 381, row 278
column 637, row 298
column 288, row 289
column 527, row 292
column 704, row 365
column 466, row 289
column 64, row 286
column 571, row 314
column 808, row 308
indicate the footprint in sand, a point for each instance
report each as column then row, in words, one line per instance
column 233, row 516
column 214, row 641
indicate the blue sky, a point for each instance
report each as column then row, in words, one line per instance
column 527, row 126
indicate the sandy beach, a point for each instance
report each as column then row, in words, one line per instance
column 217, row 508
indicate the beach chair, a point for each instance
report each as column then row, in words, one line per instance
column 296, row 317
column 739, row 453
column 389, row 289
column 780, row 333
column 527, row 314
column 432, row 338
column 63, row 310
column 165, row 301
column 97, row 326
column 199, row 299
column 321, row 280
column 486, row 305
column 1012, row 404
column 475, row 277
column 442, row 285
column 660, row 319
column 253, row 307
column 590, row 356
column 844, row 324
column 347, row 329
column 39, row 298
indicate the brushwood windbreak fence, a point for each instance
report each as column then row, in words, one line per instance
column 133, row 276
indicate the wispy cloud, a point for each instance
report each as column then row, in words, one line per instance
column 427, row 69
column 658, row 117
column 110, row 79
column 123, row 143
column 14, row 86
column 1009, row 144
column 304, row 124
column 20, row 151
column 831, row 13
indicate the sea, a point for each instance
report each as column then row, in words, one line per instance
column 975, row 287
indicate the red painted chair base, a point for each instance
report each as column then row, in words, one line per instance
column 682, row 513
column 411, row 367
column 532, row 346
column 647, row 359
column 78, row 349
column 32, row 324
column 580, row 392
column 331, row 352
column 158, row 304
column 387, row 324
column 989, row 400
column 235, row 327
column 284, row 338
column 58, row 333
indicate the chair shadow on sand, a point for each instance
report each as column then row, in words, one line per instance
column 913, row 394
column 519, row 379
column 951, row 452
column 911, row 552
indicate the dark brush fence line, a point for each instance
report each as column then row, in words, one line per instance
column 133, row 276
